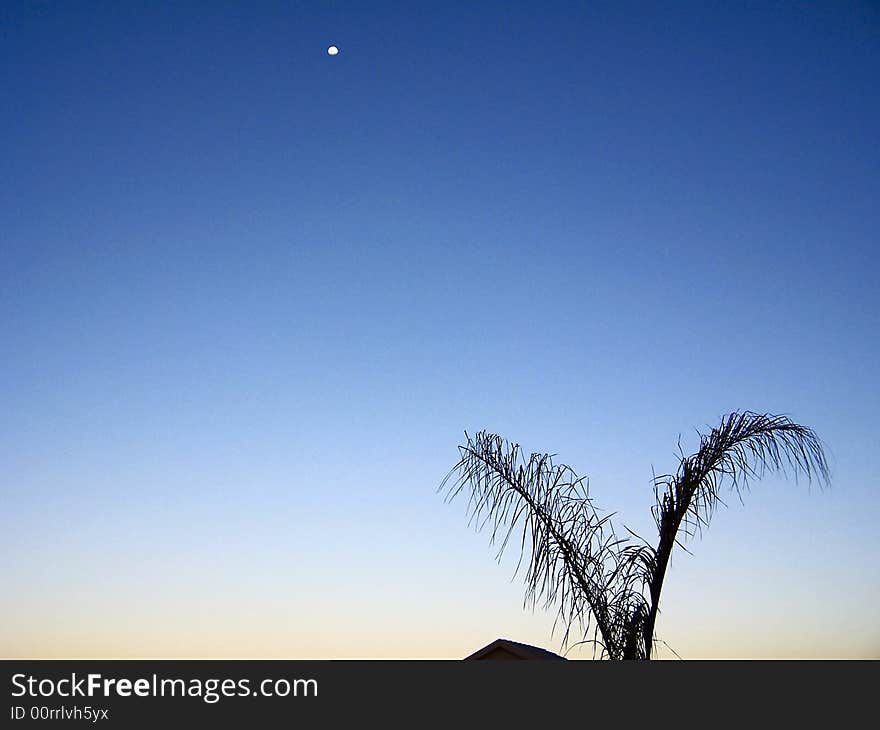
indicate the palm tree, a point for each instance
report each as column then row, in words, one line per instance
column 607, row 585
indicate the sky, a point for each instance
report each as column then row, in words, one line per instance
column 252, row 296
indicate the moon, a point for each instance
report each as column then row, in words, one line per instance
column 332, row 51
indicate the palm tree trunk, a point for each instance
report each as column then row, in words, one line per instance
column 669, row 525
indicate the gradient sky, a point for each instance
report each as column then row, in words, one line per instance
column 252, row 295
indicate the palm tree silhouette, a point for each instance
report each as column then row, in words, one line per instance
column 607, row 585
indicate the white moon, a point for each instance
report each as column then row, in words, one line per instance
column 333, row 50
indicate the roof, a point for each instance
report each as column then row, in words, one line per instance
column 507, row 649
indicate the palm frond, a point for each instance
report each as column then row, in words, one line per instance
column 574, row 558
column 744, row 447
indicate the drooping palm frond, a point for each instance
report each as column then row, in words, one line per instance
column 745, row 446
column 575, row 559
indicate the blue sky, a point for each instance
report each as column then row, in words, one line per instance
column 252, row 295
